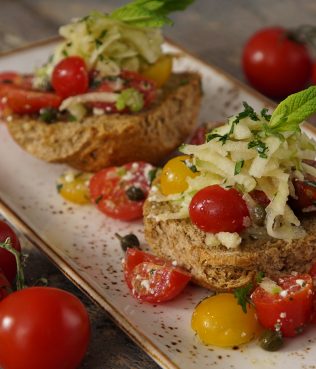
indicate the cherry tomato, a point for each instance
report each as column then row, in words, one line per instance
column 215, row 209
column 152, row 279
column 23, row 101
column 275, row 64
column 260, row 197
column 74, row 187
column 7, row 260
column 288, row 310
column 160, row 71
column 174, row 174
column 219, row 320
column 120, row 192
column 312, row 273
column 21, row 80
column 70, row 77
column 198, row 137
column 5, row 286
column 42, row 327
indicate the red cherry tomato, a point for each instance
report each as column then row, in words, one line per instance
column 198, row 137
column 260, row 197
column 7, row 260
column 42, row 327
column 215, row 209
column 70, row 77
column 312, row 273
column 152, row 279
column 21, row 80
column 275, row 64
column 5, row 286
column 289, row 310
column 23, row 101
column 108, row 190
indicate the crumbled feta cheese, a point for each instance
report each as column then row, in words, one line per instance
column 69, row 177
column 98, row 111
column 211, row 240
column 283, row 293
column 145, row 284
column 229, row 240
column 282, row 315
column 174, row 263
column 300, row 282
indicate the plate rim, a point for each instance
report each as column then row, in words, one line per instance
column 61, row 263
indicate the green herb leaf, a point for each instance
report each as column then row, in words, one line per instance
column 149, row 13
column 242, row 294
column 259, row 277
column 59, row 186
column 238, row 166
column 260, row 146
column 294, row 110
column 152, row 175
column 265, row 115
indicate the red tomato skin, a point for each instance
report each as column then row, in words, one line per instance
column 5, row 286
column 305, row 192
column 297, row 306
column 276, row 65
column 215, row 209
column 7, row 260
column 23, row 101
column 49, row 328
column 70, row 77
column 108, row 191
column 165, row 283
column 260, row 197
column 198, row 137
column 312, row 273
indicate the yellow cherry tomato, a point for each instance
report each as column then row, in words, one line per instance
column 74, row 187
column 160, row 71
column 220, row 321
column 174, row 174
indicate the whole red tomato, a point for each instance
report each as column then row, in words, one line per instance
column 276, row 64
column 7, row 260
column 42, row 327
column 215, row 209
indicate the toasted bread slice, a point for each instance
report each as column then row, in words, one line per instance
column 100, row 141
column 222, row 269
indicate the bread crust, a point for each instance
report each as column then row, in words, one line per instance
column 222, row 269
column 101, row 141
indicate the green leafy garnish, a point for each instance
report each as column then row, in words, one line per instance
column 293, row 110
column 259, row 277
column 242, row 294
column 238, row 166
column 130, row 98
column 152, row 175
column 260, row 146
column 265, row 115
column 59, row 186
column 149, row 13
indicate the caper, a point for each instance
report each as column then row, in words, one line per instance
column 258, row 215
column 135, row 193
column 128, row 241
column 271, row 340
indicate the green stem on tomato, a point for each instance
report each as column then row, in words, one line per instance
column 6, row 245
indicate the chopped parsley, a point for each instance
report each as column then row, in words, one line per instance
column 265, row 115
column 260, row 147
column 242, row 294
column 98, row 199
column 152, row 175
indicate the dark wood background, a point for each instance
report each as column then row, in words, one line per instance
column 214, row 30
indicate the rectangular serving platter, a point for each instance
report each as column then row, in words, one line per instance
column 81, row 242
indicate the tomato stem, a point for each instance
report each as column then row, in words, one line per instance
column 19, row 273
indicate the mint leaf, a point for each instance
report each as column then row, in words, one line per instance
column 242, row 295
column 293, row 110
column 149, row 13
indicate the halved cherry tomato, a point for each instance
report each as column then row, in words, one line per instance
column 70, row 77
column 112, row 190
column 23, row 101
column 160, row 71
column 260, row 197
column 198, row 137
column 174, row 174
column 7, row 260
column 74, row 187
column 288, row 310
column 215, row 209
column 312, row 273
column 21, row 80
column 152, row 279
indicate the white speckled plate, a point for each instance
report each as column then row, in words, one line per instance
column 80, row 240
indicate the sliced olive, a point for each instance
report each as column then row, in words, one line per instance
column 135, row 194
column 271, row 340
column 128, row 241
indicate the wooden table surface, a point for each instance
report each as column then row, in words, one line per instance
column 215, row 31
